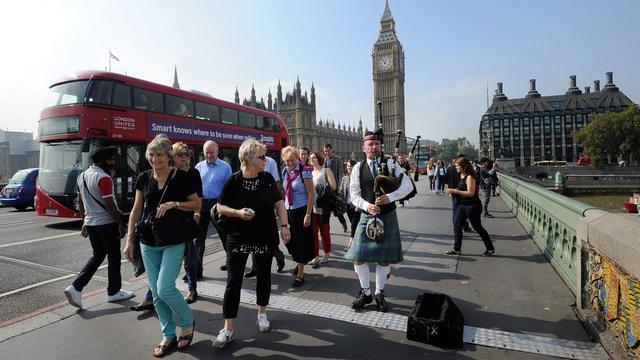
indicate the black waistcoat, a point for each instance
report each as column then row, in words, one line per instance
column 366, row 188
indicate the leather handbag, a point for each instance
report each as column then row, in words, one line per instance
column 436, row 320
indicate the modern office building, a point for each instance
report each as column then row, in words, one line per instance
column 539, row 127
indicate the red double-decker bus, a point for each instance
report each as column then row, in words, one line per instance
column 96, row 108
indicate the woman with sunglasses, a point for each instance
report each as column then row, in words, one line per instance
column 191, row 258
column 247, row 201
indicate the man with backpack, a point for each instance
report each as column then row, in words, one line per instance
column 102, row 223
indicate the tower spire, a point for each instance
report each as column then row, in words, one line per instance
column 386, row 16
column 175, row 77
column 236, row 99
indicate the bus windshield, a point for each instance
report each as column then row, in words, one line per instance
column 67, row 93
column 60, row 164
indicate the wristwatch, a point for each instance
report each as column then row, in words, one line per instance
column 284, row 226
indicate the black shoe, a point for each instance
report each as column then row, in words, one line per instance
column 192, row 299
column 489, row 252
column 361, row 300
column 487, row 215
column 143, row 307
column 381, row 303
column 223, row 268
column 280, row 265
column 250, row 274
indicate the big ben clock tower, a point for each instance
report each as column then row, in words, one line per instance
column 388, row 80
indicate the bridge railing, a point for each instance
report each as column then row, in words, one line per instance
column 596, row 253
column 550, row 219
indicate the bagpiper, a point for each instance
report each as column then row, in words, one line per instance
column 376, row 211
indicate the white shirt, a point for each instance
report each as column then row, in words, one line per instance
column 271, row 167
column 354, row 186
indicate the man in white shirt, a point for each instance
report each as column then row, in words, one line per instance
column 102, row 223
column 363, row 250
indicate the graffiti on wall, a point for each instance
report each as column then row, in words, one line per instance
column 615, row 295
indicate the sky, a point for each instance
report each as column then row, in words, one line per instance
column 454, row 51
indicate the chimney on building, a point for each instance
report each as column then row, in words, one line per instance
column 610, row 85
column 499, row 94
column 609, row 78
column 573, row 89
column 587, row 89
column 532, row 89
column 596, row 85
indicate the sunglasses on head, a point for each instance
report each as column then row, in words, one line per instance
column 182, row 154
column 262, row 157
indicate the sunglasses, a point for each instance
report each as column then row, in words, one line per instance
column 262, row 157
column 182, row 154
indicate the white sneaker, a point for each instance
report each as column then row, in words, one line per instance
column 120, row 295
column 315, row 261
column 263, row 323
column 224, row 337
column 74, row 297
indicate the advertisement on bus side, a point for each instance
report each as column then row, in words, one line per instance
column 184, row 131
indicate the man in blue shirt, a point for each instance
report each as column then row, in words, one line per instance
column 214, row 173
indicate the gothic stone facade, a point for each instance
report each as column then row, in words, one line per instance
column 388, row 78
column 299, row 114
column 536, row 127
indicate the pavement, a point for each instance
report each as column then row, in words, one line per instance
column 516, row 291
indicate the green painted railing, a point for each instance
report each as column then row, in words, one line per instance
column 551, row 221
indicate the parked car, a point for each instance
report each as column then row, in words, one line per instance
column 21, row 189
column 584, row 161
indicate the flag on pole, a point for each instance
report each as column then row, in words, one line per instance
column 113, row 56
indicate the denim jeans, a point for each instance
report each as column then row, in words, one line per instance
column 163, row 266
column 105, row 242
column 471, row 212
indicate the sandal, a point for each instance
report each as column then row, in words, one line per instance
column 298, row 281
column 161, row 349
column 187, row 338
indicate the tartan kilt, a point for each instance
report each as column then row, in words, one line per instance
column 387, row 250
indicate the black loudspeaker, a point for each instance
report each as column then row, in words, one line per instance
column 436, row 320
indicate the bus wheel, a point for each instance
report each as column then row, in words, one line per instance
column 21, row 207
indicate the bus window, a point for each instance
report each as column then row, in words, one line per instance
column 229, row 116
column 266, row 123
column 122, row 96
column 207, row 112
column 67, row 93
column 147, row 100
column 100, row 92
column 179, row 106
column 247, row 120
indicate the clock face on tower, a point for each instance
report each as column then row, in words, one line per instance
column 384, row 62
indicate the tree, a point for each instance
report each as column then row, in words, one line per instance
column 612, row 134
column 447, row 150
column 469, row 153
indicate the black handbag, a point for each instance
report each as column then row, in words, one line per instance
column 436, row 320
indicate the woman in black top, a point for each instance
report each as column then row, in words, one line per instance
column 470, row 208
column 169, row 198
column 247, row 201
column 191, row 257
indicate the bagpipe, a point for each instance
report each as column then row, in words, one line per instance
column 387, row 180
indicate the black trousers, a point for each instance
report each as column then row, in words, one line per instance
column 105, row 242
column 471, row 212
column 277, row 253
column 354, row 218
column 205, row 219
column 236, row 262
